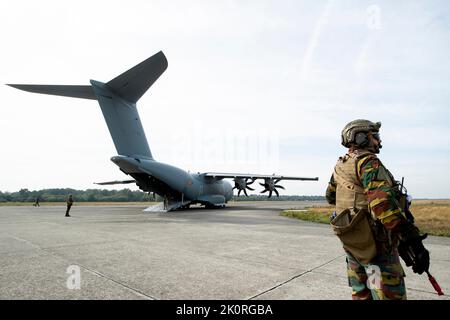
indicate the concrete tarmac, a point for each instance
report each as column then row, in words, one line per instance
column 245, row 251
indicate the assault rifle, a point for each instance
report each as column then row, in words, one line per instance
column 406, row 251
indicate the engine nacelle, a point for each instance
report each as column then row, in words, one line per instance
column 242, row 184
column 271, row 186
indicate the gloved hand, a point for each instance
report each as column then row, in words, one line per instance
column 421, row 255
column 414, row 254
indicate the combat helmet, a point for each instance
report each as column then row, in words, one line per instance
column 350, row 132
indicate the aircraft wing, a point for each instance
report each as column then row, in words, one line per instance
column 219, row 175
column 241, row 182
column 115, row 182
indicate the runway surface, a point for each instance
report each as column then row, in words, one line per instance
column 245, row 251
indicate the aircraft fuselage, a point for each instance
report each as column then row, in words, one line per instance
column 165, row 179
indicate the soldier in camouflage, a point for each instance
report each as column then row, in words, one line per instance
column 361, row 181
column 69, row 203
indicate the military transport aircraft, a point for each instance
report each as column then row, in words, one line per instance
column 180, row 189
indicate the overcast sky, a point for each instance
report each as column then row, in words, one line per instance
column 252, row 86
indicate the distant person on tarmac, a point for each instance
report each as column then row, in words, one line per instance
column 36, row 204
column 69, row 205
column 166, row 203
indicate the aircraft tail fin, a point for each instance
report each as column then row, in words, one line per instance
column 132, row 84
column 117, row 99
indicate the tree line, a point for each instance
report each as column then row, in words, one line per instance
column 124, row 195
column 89, row 195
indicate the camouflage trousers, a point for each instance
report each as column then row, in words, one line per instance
column 381, row 279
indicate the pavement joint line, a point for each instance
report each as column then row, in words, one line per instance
column 295, row 277
column 95, row 272
column 26, row 241
column 58, row 247
column 248, row 260
column 101, row 275
column 80, row 244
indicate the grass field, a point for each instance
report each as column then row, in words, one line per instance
column 431, row 216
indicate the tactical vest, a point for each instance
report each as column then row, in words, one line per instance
column 349, row 191
column 360, row 232
column 353, row 223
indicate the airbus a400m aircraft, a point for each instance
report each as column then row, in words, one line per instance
column 117, row 99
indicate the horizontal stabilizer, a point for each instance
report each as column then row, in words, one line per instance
column 115, row 182
column 132, row 84
column 84, row 92
column 117, row 99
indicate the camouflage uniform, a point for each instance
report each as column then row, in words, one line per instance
column 69, row 205
column 372, row 219
column 379, row 188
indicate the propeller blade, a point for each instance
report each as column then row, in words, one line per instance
column 239, row 192
column 279, row 187
column 270, row 193
column 253, row 180
column 245, row 192
column 265, row 190
column 250, row 189
column 262, row 184
column 276, row 181
column 276, row 192
column 234, row 188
